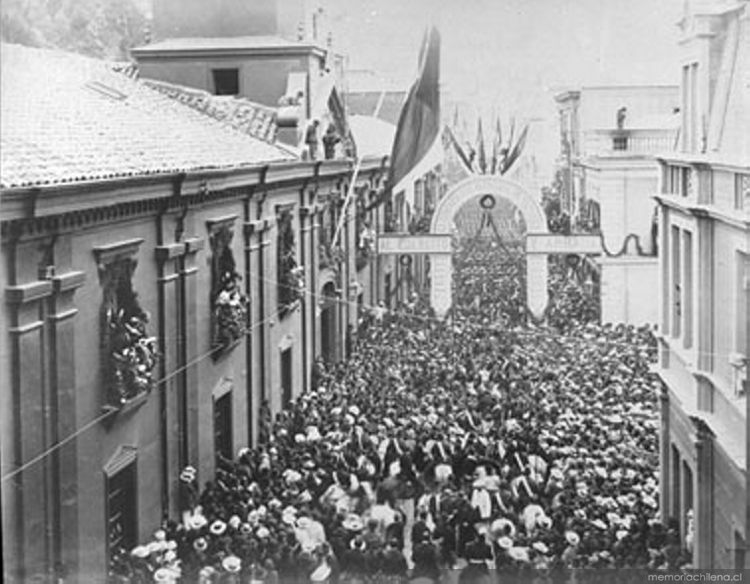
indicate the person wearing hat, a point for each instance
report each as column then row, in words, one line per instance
column 354, row 561
column 187, row 494
column 231, row 567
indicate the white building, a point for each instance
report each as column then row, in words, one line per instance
column 704, row 285
column 609, row 137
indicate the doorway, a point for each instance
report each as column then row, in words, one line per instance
column 286, row 377
column 223, row 428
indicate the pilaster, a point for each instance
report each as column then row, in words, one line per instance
column 705, row 294
column 62, row 342
column 704, row 511
column 27, row 491
column 262, row 304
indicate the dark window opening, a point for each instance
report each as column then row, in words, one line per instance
column 223, row 428
column 620, row 143
column 286, row 377
column 226, row 81
column 122, row 511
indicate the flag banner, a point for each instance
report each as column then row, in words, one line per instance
column 517, row 150
column 419, row 122
column 481, row 154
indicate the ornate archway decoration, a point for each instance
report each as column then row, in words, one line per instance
column 441, row 264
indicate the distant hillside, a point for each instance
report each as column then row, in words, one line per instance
column 98, row 28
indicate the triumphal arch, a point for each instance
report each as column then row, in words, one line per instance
column 437, row 244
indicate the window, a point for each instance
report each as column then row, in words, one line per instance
column 620, row 143
column 742, row 192
column 742, row 273
column 705, row 395
column 223, row 427
column 122, row 508
column 677, row 181
column 688, row 289
column 676, row 508
column 226, row 81
column 687, row 496
column 676, row 284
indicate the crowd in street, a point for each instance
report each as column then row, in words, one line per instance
column 443, row 450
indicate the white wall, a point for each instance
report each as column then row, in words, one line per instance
column 629, row 287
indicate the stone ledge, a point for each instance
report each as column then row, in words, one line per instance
column 28, row 292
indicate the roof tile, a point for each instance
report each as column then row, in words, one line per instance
column 68, row 118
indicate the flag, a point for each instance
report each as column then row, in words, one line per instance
column 497, row 138
column 497, row 148
column 419, row 122
column 517, row 150
column 463, row 157
column 481, row 155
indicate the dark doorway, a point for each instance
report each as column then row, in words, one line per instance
column 676, row 485
column 122, row 510
column 328, row 324
column 223, row 427
column 286, row 377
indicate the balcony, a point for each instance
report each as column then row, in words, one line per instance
column 614, row 143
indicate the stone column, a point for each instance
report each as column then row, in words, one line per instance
column 440, row 292
column 536, row 278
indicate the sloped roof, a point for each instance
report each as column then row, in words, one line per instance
column 249, row 117
column 65, row 118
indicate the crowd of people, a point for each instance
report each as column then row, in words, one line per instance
column 442, row 450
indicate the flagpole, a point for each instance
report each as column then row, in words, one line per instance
column 357, row 167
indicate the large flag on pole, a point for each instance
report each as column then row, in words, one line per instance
column 418, row 128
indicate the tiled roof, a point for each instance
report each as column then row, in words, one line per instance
column 253, row 119
column 66, row 118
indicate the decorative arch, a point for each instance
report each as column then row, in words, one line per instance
column 441, row 264
column 474, row 186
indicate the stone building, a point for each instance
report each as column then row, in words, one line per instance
column 169, row 284
column 704, row 274
column 609, row 137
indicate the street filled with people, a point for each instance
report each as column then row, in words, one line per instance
column 479, row 446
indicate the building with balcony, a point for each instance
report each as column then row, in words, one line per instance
column 704, row 288
column 167, row 288
column 609, row 136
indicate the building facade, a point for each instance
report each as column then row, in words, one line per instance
column 609, row 136
column 168, row 288
column 704, row 275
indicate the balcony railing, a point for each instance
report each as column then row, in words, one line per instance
column 613, row 143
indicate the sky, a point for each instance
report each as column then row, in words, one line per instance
column 510, row 53
column 508, row 58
